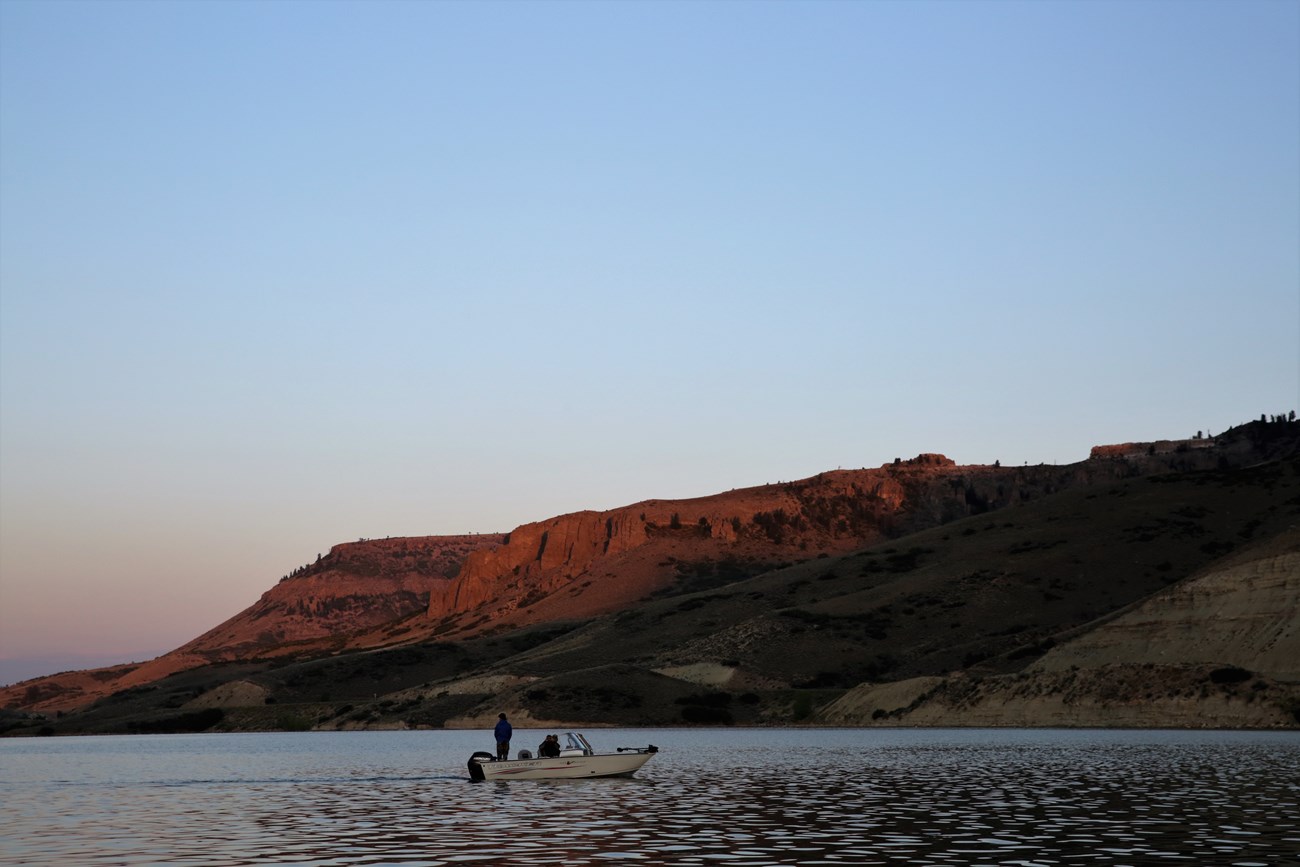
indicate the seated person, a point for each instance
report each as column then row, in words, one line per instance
column 549, row 748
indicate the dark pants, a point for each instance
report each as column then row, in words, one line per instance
column 503, row 749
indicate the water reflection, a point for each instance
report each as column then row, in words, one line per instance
column 733, row 798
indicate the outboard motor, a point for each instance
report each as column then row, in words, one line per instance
column 525, row 754
column 476, row 770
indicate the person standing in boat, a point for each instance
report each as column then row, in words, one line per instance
column 503, row 731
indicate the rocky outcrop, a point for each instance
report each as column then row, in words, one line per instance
column 358, row 586
column 539, row 558
column 315, row 607
column 832, row 511
column 873, row 701
column 1241, row 446
column 67, row 690
column 1159, row 447
column 236, row 693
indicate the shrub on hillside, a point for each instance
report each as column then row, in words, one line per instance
column 703, row 715
column 1230, row 674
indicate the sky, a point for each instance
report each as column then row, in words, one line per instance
column 275, row 276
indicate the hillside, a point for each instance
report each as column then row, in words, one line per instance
column 988, row 596
column 1221, row 649
column 851, row 598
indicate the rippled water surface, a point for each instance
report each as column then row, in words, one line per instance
column 729, row 797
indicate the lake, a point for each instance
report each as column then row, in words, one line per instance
column 719, row 796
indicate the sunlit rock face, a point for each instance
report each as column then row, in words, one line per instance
column 634, row 550
column 357, row 586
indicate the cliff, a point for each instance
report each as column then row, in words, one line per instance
column 317, row 608
column 356, row 587
column 639, row 549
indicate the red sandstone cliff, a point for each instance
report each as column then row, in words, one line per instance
column 587, row 563
column 605, row 560
column 356, row 587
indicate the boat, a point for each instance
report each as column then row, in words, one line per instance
column 576, row 761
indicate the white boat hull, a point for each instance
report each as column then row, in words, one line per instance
column 565, row 767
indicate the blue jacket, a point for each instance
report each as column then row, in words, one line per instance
column 503, row 731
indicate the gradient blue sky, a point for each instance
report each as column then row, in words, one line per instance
column 275, row 276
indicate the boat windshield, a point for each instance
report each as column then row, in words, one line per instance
column 575, row 741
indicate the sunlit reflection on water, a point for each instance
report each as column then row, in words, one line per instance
column 739, row 798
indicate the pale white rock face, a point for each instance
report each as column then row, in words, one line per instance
column 857, row 705
column 1245, row 614
column 1144, row 667
column 237, row 693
